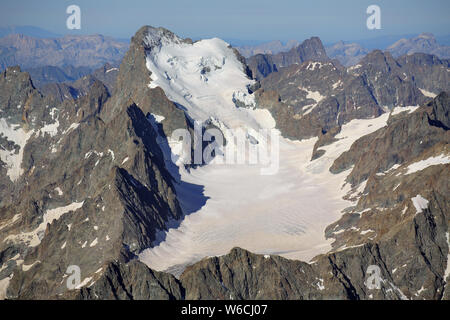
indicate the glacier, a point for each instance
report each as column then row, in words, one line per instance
column 285, row 213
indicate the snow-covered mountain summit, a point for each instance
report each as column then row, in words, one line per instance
column 204, row 77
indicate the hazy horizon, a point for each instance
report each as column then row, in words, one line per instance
column 251, row 21
column 370, row 43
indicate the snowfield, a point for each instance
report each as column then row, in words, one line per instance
column 431, row 161
column 12, row 158
column 34, row 237
column 284, row 213
column 203, row 78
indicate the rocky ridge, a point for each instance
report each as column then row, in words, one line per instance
column 262, row 65
column 315, row 97
column 77, row 87
column 108, row 199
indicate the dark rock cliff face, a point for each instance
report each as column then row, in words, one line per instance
column 93, row 170
column 383, row 75
column 243, row 275
column 132, row 281
column 406, row 137
column 426, row 71
column 261, row 65
column 132, row 84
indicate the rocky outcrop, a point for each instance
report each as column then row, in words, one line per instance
column 247, row 276
column 132, row 281
column 388, row 81
column 262, row 65
column 243, row 275
column 406, row 137
column 427, row 72
column 132, row 84
column 313, row 98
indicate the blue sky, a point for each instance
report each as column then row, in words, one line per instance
column 332, row 20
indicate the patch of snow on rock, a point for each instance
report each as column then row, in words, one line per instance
column 420, row 203
column 432, row 161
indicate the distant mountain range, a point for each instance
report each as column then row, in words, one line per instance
column 88, row 51
column 271, row 47
column 70, row 82
column 30, row 31
column 424, row 43
column 350, row 53
column 347, row 53
column 32, row 47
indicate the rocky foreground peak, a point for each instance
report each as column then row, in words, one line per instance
column 155, row 37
